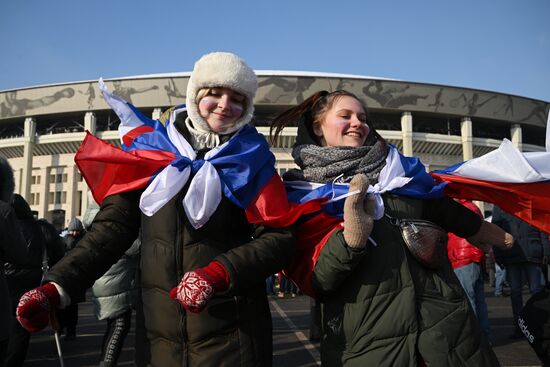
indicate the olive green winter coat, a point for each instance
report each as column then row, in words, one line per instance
column 380, row 307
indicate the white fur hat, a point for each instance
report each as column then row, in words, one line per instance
column 221, row 69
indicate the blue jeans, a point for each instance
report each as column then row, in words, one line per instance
column 500, row 275
column 516, row 273
column 269, row 284
column 287, row 285
column 471, row 279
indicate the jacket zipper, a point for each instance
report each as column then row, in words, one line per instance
column 179, row 273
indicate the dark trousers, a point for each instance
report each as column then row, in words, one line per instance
column 114, row 336
column 68, row 318
column 17, row 346
column 288, row 285
column 3, row 349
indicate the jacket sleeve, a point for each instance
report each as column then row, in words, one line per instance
column 545, row 244
column 335, row 263
column 55, row 247
column 453, row 217
column 269, row 251
column 114, row 230
column 14, row 246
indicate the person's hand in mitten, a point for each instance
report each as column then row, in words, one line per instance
column 358, row 213
column 198, row 286
column 37, row 307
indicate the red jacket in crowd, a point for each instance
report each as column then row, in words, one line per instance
column 460, row 251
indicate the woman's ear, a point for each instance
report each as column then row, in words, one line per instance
column 317, row 130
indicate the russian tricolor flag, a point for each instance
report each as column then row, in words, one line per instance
column 517, row 182
column 157, row 158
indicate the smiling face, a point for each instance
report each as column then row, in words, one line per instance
column 220, row 107
column 344, row 124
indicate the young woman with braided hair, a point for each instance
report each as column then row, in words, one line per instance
column 381, row 306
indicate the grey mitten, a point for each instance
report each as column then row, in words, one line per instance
column 358, row 213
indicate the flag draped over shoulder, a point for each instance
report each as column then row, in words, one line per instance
column 158, row 159
column 519, row 183
column 401, row 175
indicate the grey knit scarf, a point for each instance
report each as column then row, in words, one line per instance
column 326, row 164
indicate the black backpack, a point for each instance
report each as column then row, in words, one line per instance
column 534, row 323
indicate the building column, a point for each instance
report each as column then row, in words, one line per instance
column 90, row 122
column 71, row 192
column 407, row 133
column 44, row 192
column 517, row 136
column 28, row 150
column 467, row 138
column 157, row 112
column 84, row 202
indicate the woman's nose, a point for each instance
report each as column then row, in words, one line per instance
column 355, row 122
column 223, row 102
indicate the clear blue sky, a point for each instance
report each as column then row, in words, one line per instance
column 498, row 45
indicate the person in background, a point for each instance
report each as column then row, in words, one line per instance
column 500, row 278
column 270, row 285
column 490, row 267
column 114, row 295
column 24, row 277
column 380, row 305
column 13, row 250
column 286, row 287
column 531, row 249
column 466, row 260
column 68, row 316
column 203, row 261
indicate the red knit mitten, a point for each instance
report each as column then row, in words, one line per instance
column 37, row 307
column 198, row 286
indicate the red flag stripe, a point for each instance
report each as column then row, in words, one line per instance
column 109, row 170
column 527, row 201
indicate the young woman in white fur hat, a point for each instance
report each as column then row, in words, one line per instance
column 202, row 270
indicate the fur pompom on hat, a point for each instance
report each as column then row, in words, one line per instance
column 221, row 69
column 7, row 184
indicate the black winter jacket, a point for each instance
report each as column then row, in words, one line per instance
column 12, row 250
column 530, row 244
column 26, row 276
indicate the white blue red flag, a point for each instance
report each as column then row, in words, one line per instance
column 401, row 175
column 519, row 183
column 157, row 158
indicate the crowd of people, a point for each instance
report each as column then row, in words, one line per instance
column 190, row 244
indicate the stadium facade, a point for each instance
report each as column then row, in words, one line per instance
column 42, row 127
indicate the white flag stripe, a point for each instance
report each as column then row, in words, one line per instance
column 128, row 119
column 507, row 164
column 204, row 194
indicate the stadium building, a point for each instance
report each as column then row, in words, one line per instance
column 42, row 127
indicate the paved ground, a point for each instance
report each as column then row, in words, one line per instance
column 291, row 338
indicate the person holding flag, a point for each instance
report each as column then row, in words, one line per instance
column 375, row 254
column 198, row 188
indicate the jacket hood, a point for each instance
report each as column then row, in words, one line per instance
column 75, row 225
column 21, row 207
